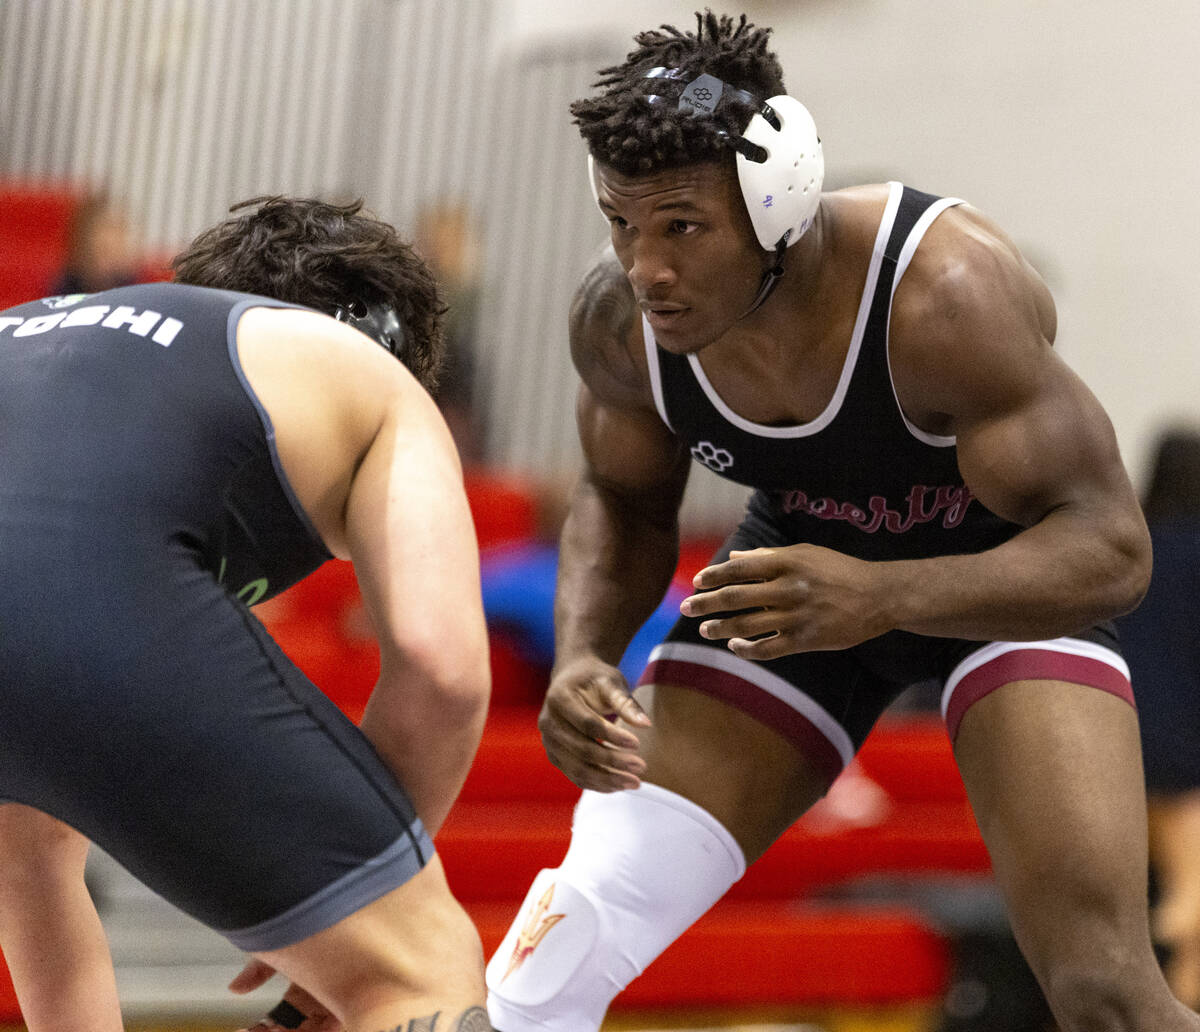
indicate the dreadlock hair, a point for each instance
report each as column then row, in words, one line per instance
column 628, row 132
column 324, row 256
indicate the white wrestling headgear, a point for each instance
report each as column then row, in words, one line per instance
column 783, row 190
column 780, row 163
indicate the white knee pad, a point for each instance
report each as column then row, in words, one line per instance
column 642, row 866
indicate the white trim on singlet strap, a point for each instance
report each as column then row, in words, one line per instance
column 906, row 256
column 655, row 372
column 835, row 403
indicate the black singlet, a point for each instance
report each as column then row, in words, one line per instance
column 860, row 478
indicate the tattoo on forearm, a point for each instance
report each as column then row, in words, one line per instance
column 474, row 1019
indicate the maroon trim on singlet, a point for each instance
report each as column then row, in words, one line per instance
column 1034, row 664
column 752, row 700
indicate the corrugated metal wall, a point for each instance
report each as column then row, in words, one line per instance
column 182, row 107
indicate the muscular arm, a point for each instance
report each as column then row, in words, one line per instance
column 970, row 351
column 620, row 541
column 410, row 536
column 1034, row 446
column 374, row 466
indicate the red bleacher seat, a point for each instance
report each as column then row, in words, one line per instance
column 36, row 210
column 778, row 954
column 504, row 506
column 10, row 1011
column 34, row 223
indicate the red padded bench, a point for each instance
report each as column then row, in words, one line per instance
column 34, row 222
column 780, row 954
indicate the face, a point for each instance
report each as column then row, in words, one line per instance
column 685, row 241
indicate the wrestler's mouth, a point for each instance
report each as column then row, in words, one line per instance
column 664, row 316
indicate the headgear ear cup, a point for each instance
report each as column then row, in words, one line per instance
column 782, row 193
column 380, row 321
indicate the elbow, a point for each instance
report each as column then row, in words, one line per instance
column 1134, row 563
column 459, row 680
column 447, row 684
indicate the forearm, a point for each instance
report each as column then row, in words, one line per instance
column 616, row 562
column 427, row 735
column 51, row 935
column 1052, row 579
column 58, row 956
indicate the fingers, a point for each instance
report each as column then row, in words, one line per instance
column 741, row 567
column 583, row 728
column 593, row 704
column 253, row 975
column 771, row 647
column 740, row 598
column 590, row 764
column 626, row 707
column 749, row 625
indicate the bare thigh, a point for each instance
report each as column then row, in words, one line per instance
column 747, row 776
column 1053, row 771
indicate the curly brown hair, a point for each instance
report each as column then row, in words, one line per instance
column 627, row 131
column 325, row 256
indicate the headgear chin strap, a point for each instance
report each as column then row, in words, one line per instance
column 379, row 321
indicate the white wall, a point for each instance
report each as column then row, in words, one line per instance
column 1072, row 124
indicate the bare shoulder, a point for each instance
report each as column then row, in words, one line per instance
column 972, row 321
column 289, row 351
column 854, row 212
column 866, row 200
column 330, row 392
column 606, row 336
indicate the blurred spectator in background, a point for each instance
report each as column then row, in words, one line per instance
column 446, row 239
column 100, row 253
column 1162, row 647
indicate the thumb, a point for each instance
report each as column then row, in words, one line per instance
column 253, row 975
column 621, row 702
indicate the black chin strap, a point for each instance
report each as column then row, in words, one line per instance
column 770, row 278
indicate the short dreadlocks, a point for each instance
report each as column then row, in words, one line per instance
column 625, row 130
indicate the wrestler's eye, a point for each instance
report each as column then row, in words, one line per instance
column 682, row 227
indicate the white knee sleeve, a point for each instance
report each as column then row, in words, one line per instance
column 642, row 866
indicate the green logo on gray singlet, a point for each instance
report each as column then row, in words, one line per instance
column 251, row 593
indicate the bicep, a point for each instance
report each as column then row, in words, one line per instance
column 1041, row 443
column 631, row 452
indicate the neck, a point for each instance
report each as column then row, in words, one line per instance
column 798, row 279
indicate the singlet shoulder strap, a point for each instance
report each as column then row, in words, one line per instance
column 914, row 215
column 652, row 364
